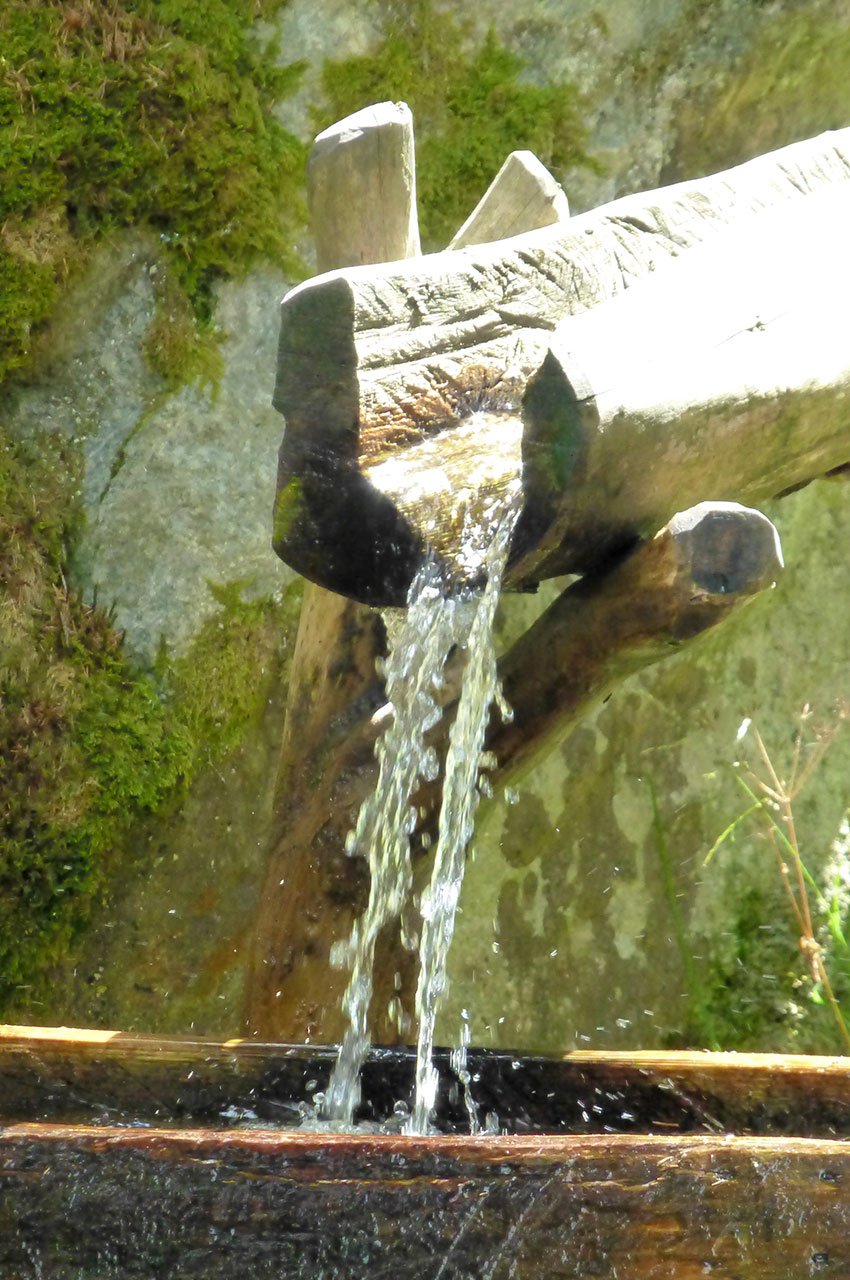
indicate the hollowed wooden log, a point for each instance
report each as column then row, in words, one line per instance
column 725, row 375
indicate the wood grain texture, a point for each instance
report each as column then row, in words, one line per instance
column 124, row 1203
column 361, row 188
column 411, row 349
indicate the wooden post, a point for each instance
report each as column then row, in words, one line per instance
column 522, row 197
column 361, row 188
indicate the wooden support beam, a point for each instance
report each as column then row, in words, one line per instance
column 522, row 197
column 410, row 351
column 361, row 187
column 699, row 570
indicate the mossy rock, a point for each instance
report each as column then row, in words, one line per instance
column 472, row 105
column 149, row 112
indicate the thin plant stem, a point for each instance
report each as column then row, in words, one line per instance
column 779, row 794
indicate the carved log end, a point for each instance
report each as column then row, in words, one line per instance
column 727, row 548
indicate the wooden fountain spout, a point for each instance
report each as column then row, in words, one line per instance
column 677, row 351
column 672, row 346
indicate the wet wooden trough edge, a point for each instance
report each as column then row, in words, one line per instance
column 128, row 1155
column 81, row 1076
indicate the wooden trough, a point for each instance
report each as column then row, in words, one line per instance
column 127, row 1155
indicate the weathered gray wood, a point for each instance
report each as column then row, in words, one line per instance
column 361, row 187
column 726, row 374
column 408, row 351
column 522, row 197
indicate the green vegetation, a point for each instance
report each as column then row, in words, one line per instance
column 821, row 940
column 795, row 71
column 151, row 112
column 85, row 743
column 221, row 685
column 116, row 113
column 470, row 108
column 781, row 980
column 88, row 744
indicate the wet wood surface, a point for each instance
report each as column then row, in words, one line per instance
column 162, row 1159
column 124, row 1203
column 108, row 1077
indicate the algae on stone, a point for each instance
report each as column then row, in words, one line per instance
column 148, row 112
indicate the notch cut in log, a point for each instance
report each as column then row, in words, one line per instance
column 374, row 362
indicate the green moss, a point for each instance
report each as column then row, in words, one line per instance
column 471, row 109
column 153, row 112
column 754, row 998
column 86, row 744
column 89, row 745
column 287, row 508
column 792, row 84
column 175, row 346
column 220, row 686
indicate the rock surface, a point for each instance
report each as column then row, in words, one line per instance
column 589, row 912
column 178, row 488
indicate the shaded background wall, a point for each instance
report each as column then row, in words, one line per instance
column 142, row 399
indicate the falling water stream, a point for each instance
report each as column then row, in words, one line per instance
column 438, row 620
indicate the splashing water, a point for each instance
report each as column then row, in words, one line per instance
column 386, row 818
column 434, row 624
column 457, row 817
